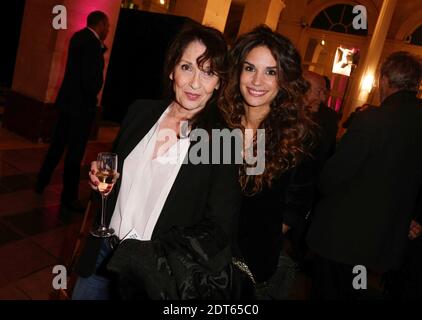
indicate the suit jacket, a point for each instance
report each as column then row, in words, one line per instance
column 417, row 216
column 327, row 119
column 370, row 186
column 201, row 194
column 83, row 77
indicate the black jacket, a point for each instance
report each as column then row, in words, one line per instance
column 369, row 187
column 83, row 77
column 201, row 193
column 262, row 216
column 327, row 120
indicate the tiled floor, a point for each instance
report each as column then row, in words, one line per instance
column 35, row 232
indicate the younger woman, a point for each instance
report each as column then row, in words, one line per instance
column 265, row 91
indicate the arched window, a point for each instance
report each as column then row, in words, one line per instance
column 338, row 18
column 416, row 37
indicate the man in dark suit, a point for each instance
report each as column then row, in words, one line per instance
column 370, row 186
column 76, row 103
column 327, row 119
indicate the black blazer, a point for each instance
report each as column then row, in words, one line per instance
column 369, row 187
column 327, row 119
column 262, row 215
column 201, row 193
column 83, row 77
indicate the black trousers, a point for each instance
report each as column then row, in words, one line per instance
column 412, row 271
column 72, row 131
column 332, row 280
column 406, row 283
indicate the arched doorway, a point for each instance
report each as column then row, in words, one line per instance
column 330, row 34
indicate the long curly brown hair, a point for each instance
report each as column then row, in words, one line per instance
column 289, row 132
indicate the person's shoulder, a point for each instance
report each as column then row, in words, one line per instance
column 141, row 108
column 419, row 105
column 332, row 113
column 414, row 109
column 369, row 114
column 214, row 119
column 150, row 103
column 85, row 38
column 145, row 105
column 84, row 33
column 367, row 119
column 327, row 114
column 415, row 103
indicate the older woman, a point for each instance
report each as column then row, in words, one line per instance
column 265, row 92
column 161, row 189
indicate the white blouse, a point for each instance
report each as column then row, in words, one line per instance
column 145, row 185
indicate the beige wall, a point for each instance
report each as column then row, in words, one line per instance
column 36, row 48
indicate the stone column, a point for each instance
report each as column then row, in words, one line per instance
column 41, row 61
column 207, row 12
column 261, row 12
column 291, row 18
column 362, row 86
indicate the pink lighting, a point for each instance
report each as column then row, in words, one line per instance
column 77, row 12
column 338, row 90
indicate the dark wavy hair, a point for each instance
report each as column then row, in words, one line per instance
column 216, row 53
column 289, row 133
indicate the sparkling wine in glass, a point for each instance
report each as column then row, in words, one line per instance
column 107, row 174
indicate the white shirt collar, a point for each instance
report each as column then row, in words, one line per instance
column 95, row 34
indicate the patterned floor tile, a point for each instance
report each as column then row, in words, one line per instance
column 36, row 221
column 21, row 258
column 12, row 292
column 17, row 182
column 8, row 170
column 38, row 286
column 59, row 242
column 7, row 235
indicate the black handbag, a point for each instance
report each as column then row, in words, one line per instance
column 193, row 264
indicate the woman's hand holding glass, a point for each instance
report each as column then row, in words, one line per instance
column 103, row 175
column 96, row 184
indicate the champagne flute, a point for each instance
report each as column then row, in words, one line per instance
column 107, row 174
